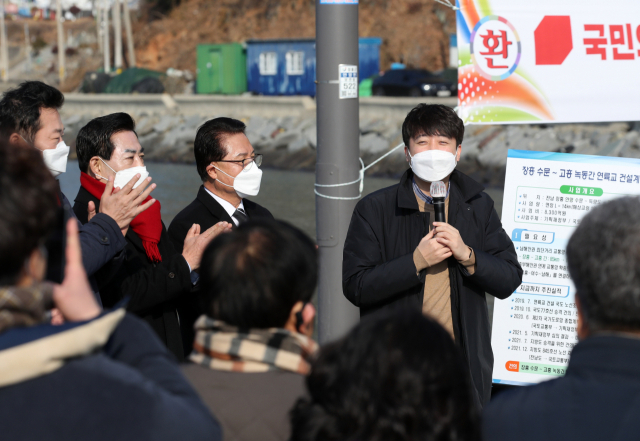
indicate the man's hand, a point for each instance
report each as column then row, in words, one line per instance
column 74, row 299
column 124, row 205
column 432, row 251
column 450, row 238
column 195, row 243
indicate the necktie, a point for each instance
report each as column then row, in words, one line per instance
column 240, row 216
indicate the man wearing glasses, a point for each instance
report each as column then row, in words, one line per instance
column 230, row 172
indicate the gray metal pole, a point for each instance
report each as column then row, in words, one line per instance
column 117, row 35
column 127, row 27
column 4, row 46
column 27, row 48
column 338, row 150
column 105, row 35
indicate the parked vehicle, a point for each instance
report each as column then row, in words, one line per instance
column 416, row 82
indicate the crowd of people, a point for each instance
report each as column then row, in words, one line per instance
column 113, row 326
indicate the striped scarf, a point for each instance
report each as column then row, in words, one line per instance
column 223, row 347
column 25, row 306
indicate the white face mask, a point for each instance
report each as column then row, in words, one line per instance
column 56, row 159
column 433, row 165
column 124, row 176
column 247, row 183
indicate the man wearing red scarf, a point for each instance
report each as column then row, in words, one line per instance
column 154, row 277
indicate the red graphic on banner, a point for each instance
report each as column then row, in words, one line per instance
column 553, row 40
column 492, row 43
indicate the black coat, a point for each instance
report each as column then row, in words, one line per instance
column 154, row 290
column 597, row 399
column 378, row 271
column 206, row 212
column 130, row 389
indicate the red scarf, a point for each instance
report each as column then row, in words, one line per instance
column 147, row 225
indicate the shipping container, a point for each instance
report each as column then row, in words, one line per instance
column 288, row 67
column 221, row 68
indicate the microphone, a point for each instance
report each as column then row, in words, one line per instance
column 439, row 194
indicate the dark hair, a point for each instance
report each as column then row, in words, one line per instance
column 603, row 257
column 94, row 139
column 23, row 105
column 253, row 276
column 28, row 207
column 432, row 120
column 208, row 147
column 395, row 377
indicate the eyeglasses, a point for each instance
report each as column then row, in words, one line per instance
column 247, row 162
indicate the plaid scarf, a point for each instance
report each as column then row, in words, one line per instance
column 24, row 306
column 227, row 348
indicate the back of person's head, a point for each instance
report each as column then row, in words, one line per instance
column 208, row 146
column 432, row 120
column 603, row 257
column 395, row 377
column 94, row 139
column 28, row 208
column 24, row 104
column 253, row 276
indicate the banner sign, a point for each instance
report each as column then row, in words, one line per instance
column 523, row 61
column 545, row 196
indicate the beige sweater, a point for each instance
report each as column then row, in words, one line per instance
column 437, row 289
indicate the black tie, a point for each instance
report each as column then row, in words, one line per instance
column 240, row 216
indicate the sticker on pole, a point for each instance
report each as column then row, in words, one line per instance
column 348, row 81
column 338, row 2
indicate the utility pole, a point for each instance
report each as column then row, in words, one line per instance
column 27, row 47
column 127, row 28
column 61, row 66
column 117, row 35
column 337, row 163
column 105, row 34
column 4, row 48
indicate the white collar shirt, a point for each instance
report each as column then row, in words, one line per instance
column 228, row 206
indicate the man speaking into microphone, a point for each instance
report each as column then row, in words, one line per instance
column 396, row 255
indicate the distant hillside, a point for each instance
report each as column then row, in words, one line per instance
column 415, row 32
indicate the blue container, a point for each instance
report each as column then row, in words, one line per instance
column 288, row 67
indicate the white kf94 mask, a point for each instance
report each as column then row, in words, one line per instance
column 433, row 165
column 56, row 159
column 124, row 176
column 247, row 183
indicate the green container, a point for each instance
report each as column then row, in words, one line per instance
column 221, row 68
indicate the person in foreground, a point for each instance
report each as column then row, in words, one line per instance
column 397, row 376
column 395, row 255
column 154, row 276
column 99, row 376
column 251, row 350
column 599, row 397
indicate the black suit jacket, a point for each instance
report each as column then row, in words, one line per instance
column 206, row 212
column 597, row 399
column 154, row 290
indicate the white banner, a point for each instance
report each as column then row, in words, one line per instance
column 545, row 197
column 523, row 61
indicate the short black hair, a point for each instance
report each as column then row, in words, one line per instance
column 23, row 105
column 603, row 257
column 253, row 276
column 432, row 120
column 396, row 376
column 207, row 147
column 28, row 207
column 94, row 139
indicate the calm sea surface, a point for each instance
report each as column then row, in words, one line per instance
column 287, row 194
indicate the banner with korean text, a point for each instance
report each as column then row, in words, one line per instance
column 523, row 61
column 545, row 197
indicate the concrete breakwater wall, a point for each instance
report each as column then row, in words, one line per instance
column 284, row 130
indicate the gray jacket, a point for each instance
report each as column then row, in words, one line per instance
column 249, row 406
